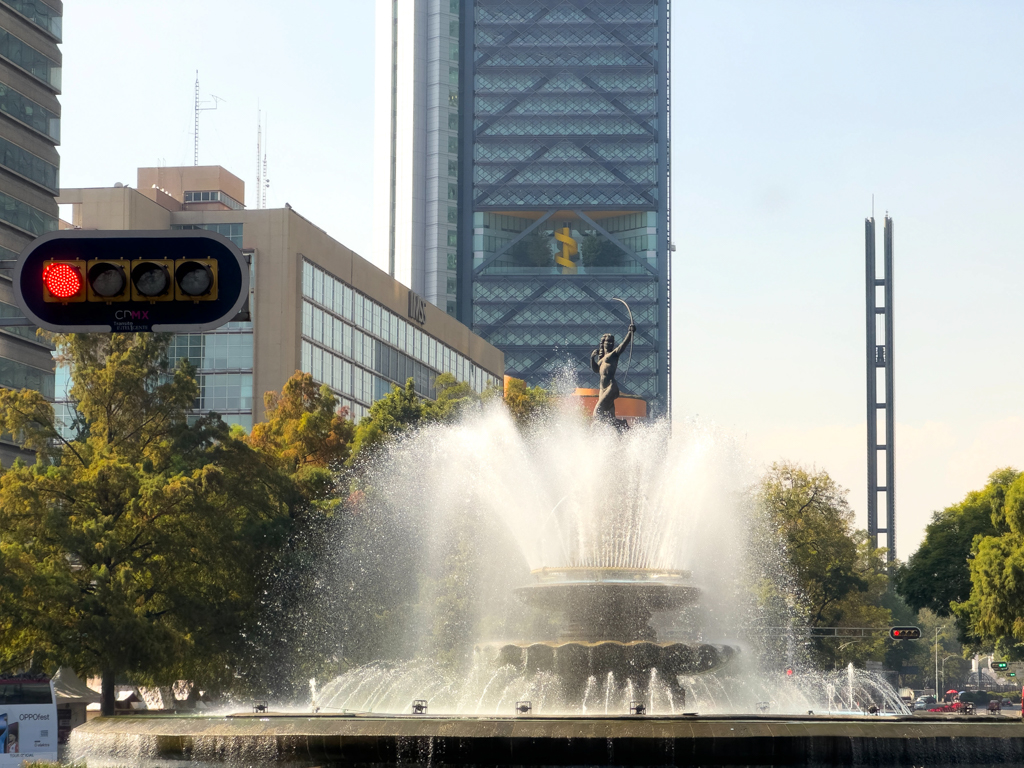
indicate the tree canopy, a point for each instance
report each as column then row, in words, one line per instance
column 938, row 573
column 839, row 578
column 135, row 541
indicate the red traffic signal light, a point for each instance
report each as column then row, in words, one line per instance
column 905, row 633
column 789, row 671
column 63, row 281
column 76, row 281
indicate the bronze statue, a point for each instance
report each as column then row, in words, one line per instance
column 604, row 361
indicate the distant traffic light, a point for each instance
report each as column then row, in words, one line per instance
column 905, row 633
column 789, row 671
column 76, row 281
column 1000, row 665
column 1012, row 674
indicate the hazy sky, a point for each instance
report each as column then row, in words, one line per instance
column 787, row 117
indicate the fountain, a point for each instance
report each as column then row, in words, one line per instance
column 609, row 605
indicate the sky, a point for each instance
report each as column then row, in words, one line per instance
column 787, row 118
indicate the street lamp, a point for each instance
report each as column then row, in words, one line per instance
column 944, row 670
column 937, row 662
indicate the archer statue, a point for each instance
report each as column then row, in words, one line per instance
column 604, row 361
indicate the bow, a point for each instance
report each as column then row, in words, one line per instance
column 630, row 360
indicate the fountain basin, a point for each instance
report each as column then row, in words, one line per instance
column 331, row 740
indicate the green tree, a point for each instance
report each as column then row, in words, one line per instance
column 938, row 573
column 993, row 615
column 393, row 414
column 135, row 543
column 524, row 402
column 598, row 252
column 304, row 435
column 453, row 398
column 534, row 250
column 839, row 577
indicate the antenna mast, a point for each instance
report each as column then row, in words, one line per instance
column 259, row 155
column 200, row 108
column 266, row 181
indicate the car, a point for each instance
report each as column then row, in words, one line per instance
column 921, row 705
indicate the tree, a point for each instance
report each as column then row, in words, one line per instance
column 597, row 252
column 453, row 398
column 993, row 615
column 305, row 435
column 134, row 543
column 393, row 414
column 534, row 250
column 524, row 402
column 839, row 577
column 938, row 573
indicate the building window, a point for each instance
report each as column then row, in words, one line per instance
column 454, row 6
column 213, row 197
column 15, row 375
column 453, row 167
column 454, row 52
column 453, row 144
column 453, row 191
column 232, row 232
column 453, row 75
column 453, row 121
column 453, row 99
column 453, row 28
column 29, row 59
column 29, row 112
column 24, row 163
column 452, row 261
column 26, row 217
column 25, row 331
column 451, row 308
column 453, row 238
column 38, row 13
column 225, row 392
column 451, row 285
column 453, row 214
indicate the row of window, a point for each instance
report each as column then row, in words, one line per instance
column 38, row 13
column 342, row 376
column 15, row 375
column 340, row 301
column 213, row 196
column 24, row 163
column 224, row 392
column 213, row 351
column 25, row 331
column 28, row 58
column 232, row 232
column 25, row 216
column 22, row 108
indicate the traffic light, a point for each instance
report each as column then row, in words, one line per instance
column 1012, row 674
column 76, row 281
column 1000, row 665
column 789, row 671
column 905, row 633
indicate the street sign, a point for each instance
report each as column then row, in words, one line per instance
column 82, row 281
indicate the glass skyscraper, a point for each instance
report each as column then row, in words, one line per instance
column 564, row 184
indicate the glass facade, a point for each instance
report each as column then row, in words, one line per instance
column 360, row 348
column 223, row 358
column 25, row 216
column 24, row 331
column 22, row 54
column 39, row 13
column 213, row 197
column 35, row 116
column 564, row 201
column 24, row 163
column 15, row 375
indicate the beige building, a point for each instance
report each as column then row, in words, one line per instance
column 315, row 305
column 30, row 80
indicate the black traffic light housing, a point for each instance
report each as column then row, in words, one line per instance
column 905, row 633
column 1000, row 665
column 77, row 281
